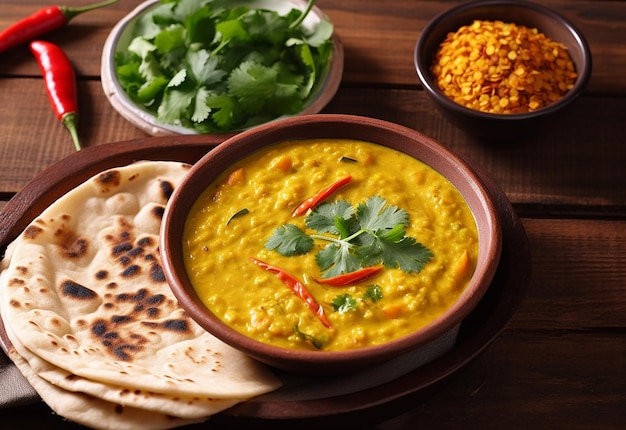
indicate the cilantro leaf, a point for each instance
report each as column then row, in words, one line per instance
column 372, row 234
column 337, row 258
column 344, row 303
column 289, row 240
column 252, row 84
column 201, row 110
column 373, row 293
column 232, row 29
column 172, row 37
column 204, row 68
column 406, row 253
column 374, row 215
column 242, row 68
column 223, row 110
column 323, row 218
column 200, row 26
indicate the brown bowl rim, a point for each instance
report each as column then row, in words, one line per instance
column 329, row 126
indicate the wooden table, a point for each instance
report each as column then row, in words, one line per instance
column 561, row 361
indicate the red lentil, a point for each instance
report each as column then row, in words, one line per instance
column 498, row 67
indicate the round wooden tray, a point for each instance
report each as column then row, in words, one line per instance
column 477, row 331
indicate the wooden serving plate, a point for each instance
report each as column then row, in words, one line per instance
column 364, row 405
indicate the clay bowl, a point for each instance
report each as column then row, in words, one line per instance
column 493, row 126
column 122, row 34
column 434, row 339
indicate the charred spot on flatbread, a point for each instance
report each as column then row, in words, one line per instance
column 77, row 291
column 158, row 212
column 81, row 316
column 32, row 231
column 102, row 274
column 145, row 242
column 177, row 325
column 76, row 248
column 107, row 180
column 167, row 188
column 156, row 273
column 16, row 282
column 111, row 338
column 131, row 271
column 144, row 303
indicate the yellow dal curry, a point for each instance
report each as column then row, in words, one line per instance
column 263, row 191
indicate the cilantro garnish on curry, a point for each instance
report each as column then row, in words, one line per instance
column 370, row 234
column 297, row 247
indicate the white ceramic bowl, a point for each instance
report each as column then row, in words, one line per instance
column 121, row 36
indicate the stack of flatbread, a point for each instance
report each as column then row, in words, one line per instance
column 93, row 324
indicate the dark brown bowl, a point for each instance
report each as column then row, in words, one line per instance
column 501, row 127
column 435, row 339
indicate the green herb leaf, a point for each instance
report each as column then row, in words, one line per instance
column 252, row 84
column 337, row 258
column 345, row 159
column 373, row 293
column 204, row 68
column 375, row 216
column 240, row 66
column 372, row 234
column 325, row 217
column 237, row 214
column 309, row 338
column 344, row 303
column 289, row 240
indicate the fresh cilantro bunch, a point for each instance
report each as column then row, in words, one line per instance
column 219, row 65
column 370, row 234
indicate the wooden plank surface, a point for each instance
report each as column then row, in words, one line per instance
column 379, row 39
column 379, row 81
column 544, row 169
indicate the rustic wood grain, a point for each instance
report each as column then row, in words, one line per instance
column 530, row 380
column 577, row 285
column 544, row 169
column 379, row 37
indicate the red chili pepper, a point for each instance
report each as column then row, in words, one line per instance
column 298, row 288
column 320, row 196
column 60, row 81
column 41, row 22
column 351, row 278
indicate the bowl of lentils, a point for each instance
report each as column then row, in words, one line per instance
column 500, row 70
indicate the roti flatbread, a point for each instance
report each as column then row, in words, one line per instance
column 192, row 408
column 89, row 309
column 93, row 412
